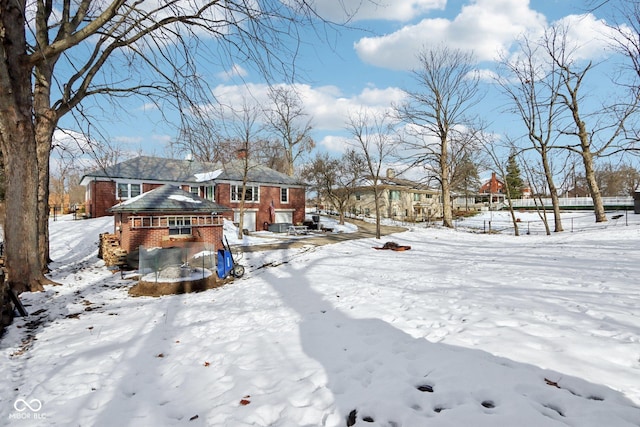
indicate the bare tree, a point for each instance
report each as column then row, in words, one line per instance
column 533, row 89
column 437, row 115
column 374, row 138
column 199, row 139
column 290, row 124
column 600, row 133
column 271, row 153
column 55, row 58
column 538, row 183
column 466, row 179
column 336, row 180
column 497, row 161
column 243, row 127
column 625, row 15
column 617, row 180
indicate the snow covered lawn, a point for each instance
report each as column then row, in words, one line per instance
column 464, row 329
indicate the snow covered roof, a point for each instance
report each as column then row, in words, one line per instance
column 168, row 198
column 156, row 169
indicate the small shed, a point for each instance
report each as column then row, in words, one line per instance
column 167, row 216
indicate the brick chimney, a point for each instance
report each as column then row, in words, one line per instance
column 242, row 153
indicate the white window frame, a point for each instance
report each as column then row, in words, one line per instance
column 284, row 191
column 179, row 225
column 236, row 191
column 204, row 191
column 128, row 195
column 209, row 193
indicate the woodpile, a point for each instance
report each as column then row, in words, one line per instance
column 110, row 250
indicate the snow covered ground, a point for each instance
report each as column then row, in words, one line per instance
column 464, row 329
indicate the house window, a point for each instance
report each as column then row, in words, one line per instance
column 357, row 196
column 416, row 197
column 179, row 225
column 208, row 193
column 284, row 195
column 204, row 191
column 394, row 195
column 128, row 190
column 251, row 195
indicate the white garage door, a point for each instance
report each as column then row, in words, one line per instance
column 249, row 222
column 284, row 216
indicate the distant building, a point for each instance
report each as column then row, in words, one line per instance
column 270, row 196
column 492, row 191
column 400, row 199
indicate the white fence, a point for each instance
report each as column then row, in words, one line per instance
column 573, row 202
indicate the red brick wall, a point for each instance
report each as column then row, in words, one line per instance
column 297, row 198
column 267, row 194
column 148, row 187
column 103, row 196
column 153, row 237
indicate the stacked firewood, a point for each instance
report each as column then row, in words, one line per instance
column 110, row 250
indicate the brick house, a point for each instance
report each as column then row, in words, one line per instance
column 167, row 216
column 271, row 196
column 493, row 191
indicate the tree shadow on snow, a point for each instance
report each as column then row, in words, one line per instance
column 380, row 375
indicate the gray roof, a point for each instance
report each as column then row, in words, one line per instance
column 168, row 198
column 149, row 169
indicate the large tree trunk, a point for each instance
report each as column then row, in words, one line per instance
column 17, row 140
column 594, row 189
column 376, row 200
column 43, row 154
column 21, row 233
column 447, row 209
column 46, row 121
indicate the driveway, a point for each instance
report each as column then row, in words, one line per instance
column 365, row 230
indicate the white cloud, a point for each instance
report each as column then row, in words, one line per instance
column 149, row 106
column 486, row 27
column 70, row 141
column 162, row 139
column 334, row 143
column 486, row 75
column 328, row 107
column 128, row 139
column 391, row 10
column 235, row 71
column 587, row 36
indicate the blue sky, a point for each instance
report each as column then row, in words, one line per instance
column 369, row 67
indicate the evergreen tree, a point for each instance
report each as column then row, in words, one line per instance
column 513, row 180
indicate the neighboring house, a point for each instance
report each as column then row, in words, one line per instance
column 167, row 216
column 399, row 199
column 271, row 196
column 492, row 191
